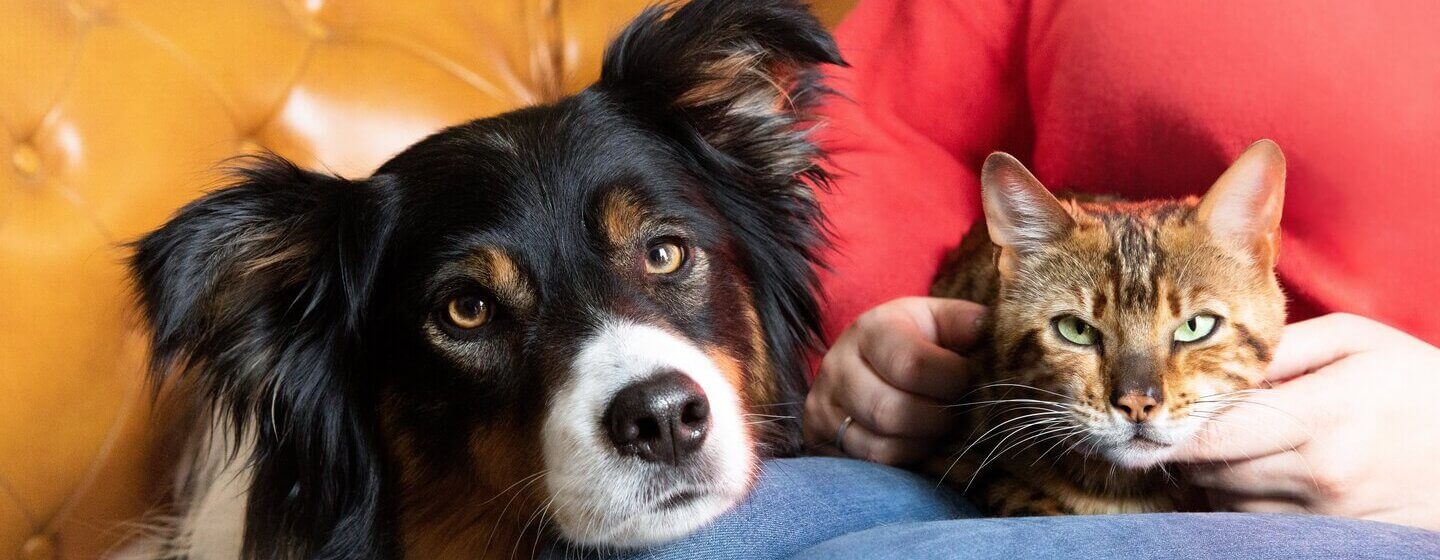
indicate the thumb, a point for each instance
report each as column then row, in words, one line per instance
column 1315, row 343
column 957, row 323
column 1267, row 422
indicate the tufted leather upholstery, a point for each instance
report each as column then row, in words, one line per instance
column 113, row 113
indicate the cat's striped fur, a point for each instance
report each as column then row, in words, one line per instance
column 1048, row 430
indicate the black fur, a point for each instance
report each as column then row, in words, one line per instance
column 759, row 162
column 272, row 346
column 289, row 302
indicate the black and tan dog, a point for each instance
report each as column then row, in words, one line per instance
column 567, row 317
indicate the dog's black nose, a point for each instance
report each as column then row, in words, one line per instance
column 662, row 419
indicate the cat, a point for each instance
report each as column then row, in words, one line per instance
column 1116, row 329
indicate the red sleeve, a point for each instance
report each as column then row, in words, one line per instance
column 932, row 89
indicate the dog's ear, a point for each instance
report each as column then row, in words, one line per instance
column 733, row 83
column 254, row 294
column 740, row 74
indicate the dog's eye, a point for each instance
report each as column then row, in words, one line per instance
column 469, row 312
column 664, row 258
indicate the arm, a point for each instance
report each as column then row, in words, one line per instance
column 934, row 87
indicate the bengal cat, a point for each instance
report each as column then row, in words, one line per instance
column 1116, row 330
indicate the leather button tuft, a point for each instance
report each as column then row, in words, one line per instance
column 26, row 159
column 39, row 547
column 316, row 30
column 92, row 11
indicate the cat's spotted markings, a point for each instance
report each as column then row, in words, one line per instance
column 1117, row 329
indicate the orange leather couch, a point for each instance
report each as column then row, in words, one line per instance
column 113, row 113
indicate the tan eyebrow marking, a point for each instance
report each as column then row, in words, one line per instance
column 499, row 272
column 622, row 217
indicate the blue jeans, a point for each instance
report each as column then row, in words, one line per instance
column 821, row 508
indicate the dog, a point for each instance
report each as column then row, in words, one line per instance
column 583, row 322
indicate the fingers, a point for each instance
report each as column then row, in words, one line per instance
column 957, row 323
column 1224, row 501
column 907, row 361
column 889, row 411
column 862, row 443
column 1286, row 474
column 819, row 423
column 1315, row 343
column 823, row 417
column 1268, row 422
column 893, row 371
column 911, row 343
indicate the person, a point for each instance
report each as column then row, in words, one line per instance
column 1142, row 100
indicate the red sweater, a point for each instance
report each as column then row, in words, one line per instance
column 1145, row 99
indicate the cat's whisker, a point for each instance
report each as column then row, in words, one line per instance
column 984, row 462
column 1034, row 408
column 1056, row 436
column 1229, row 393
column 982, row 387
column 1309, row 433
column 1170, row 478
column 1023, row 386
column 1073, row 446
column 1220, row 405
column 999, row 449
column 1248, row 457
column 1042, row 415
column 996, row 454
column 994, row 402
column 1041, row 436
column 1012, row 430
column 1232, row 395
column 1218, row 418
column 1267, row 406
column 1044, row 419
column 1058, row 443
column 1220, row 402
column 993, row 412
column 1293, row 448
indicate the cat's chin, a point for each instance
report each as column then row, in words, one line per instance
column 1137, row 453
column 1141, row 446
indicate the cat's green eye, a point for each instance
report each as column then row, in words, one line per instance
column 1072, row 329
column 1197, row 328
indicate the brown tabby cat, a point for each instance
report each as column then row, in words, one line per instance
column 1116, row 329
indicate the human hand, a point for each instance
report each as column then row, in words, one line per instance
column 1351, row 430
column 893, row 371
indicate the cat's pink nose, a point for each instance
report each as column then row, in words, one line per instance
column 1138, row 407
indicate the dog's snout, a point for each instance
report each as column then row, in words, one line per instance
column 663, row 419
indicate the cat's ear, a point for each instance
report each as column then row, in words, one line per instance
column 1020, row 213
column 1243, row 206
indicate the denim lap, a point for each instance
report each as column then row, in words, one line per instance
column 800, row 502
column 1231, row 536
column 818, row 508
